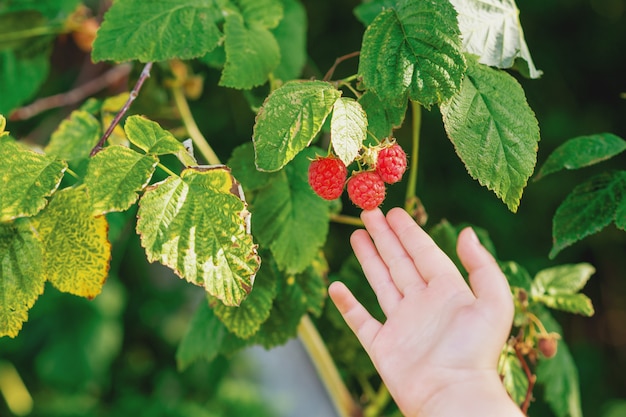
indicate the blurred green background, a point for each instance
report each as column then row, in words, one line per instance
column 115, row 356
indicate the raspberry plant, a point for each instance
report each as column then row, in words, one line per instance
column 250, row 232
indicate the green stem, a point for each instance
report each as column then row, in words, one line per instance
column 30, row 33
column 378, row 403
column 349, row 79
column 343, row 219
column 416, row 112
column 167, row 170
column 72, row 174
column 326, row 368
column 349, row 87
column 192, row 128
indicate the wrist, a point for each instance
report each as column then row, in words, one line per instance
column 472, row 395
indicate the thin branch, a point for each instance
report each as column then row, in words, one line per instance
column 338, row 61
column 74, row 96
column 531, row 380
column 145, row 73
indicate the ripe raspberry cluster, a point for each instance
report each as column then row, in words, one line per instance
column 384, row 163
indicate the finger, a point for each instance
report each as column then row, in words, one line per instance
column 375, row 271
column 362, row 324
column 401, row 267
column 488, row 282
column 429, row 260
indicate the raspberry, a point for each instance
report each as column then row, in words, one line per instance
column 366, row 190
column 391, row 163
column 327, row 176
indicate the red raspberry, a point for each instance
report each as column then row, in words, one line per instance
column 366, row 189
column 391, row 163
column 327, row 175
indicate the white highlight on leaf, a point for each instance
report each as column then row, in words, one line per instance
column 491, row 29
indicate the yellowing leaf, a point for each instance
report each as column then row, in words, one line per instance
column 114, row 177
column 75, row 137
column 21, row 277
column 197, row 224
column 27, row 178
column 77, row 251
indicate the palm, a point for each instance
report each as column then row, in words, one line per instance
column 435, row 323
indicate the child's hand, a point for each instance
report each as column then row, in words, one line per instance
column 437, row 351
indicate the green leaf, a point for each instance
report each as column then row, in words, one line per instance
column 265, row 13
column 195, row 225
column 559, row 376
column 491, row 30
column 494, row 131
column 75, row 137
column 157, row 31
column 291, row 37
column 382, row 117
column 348, row 128
column 289, row 218
column 21, row 75
column 289, row 119
column 241, row 163
column 51, row 9
column 20, row 28
column 77, row 250
column 572, row 303
column 153, row 139
column 367, row 11
column 589, row 208
column 413, row 50
column 115, row 176
column 252, row 53
column 343, row 345
column 557, row 288
column 21, row 274
column 3, row 125
column 297, row 294
column 517, row 275
column 27, row 179
column 446, row 235
column 513, row 376
column 203, row 338
column 309, row 287
column 246, row 319
column 582, row 151
column 562, row 279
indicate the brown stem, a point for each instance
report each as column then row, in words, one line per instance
column 337, row 62
column 73, row 96
column 145, row 73
column 531, row 380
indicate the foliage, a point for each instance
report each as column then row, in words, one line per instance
column 251, row 233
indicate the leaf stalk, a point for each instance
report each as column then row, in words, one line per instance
column 192, row 128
